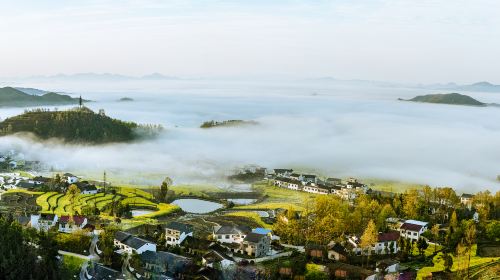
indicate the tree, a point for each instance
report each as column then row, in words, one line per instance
column 448, row 262
column 165, row 185
column 469, row 239
column 369, row 237
column 435, row 233
column 422, row 245
column 454, row 220
column 411, row 204
column 72, row 193
column 493, row 230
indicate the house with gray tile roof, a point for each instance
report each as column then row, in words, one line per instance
column 127, row 243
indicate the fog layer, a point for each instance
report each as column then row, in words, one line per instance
column 335, row 130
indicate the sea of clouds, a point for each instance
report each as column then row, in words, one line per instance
column 334, row 129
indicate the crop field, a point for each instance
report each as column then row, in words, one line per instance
column 52, row 202
column 276, row 197
column 477, row 263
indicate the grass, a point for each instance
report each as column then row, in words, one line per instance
column 126, row 195
column 24, row 191
column 135, row 201
column 277, row 197
column 72, row 265
column 251, row 215
column 42, row 200
column 391, row 186
column 133, row 192
column 163, row 209
column 457, row 260
column 195, row 190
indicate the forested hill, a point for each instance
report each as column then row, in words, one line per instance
column 11, row 97
column 448, row 98
column 75, row 126
column 211, row 124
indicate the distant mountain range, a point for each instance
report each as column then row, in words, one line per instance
column 480, row 86
column 99, row 77
column 448, row 98
column 12, row 97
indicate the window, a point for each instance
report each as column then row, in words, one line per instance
column 220, row 237
column 227, row 236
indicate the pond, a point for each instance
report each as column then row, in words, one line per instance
column 242, row 201
column 198, row 206
column 140, row 212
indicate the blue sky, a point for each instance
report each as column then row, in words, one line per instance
column 395, row 40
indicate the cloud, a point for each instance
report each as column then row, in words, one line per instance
column 340, row 131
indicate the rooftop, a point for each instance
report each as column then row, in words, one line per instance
column 254, row 237
column 181, row 227
column 232, row 230
column 78, row 220
column 388, row 236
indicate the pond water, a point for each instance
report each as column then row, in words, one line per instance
column 242, row 201
column 140, row 212
column 263, row 214
column 198, row 206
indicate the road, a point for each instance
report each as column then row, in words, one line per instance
column 125, row 271
column 92, row 258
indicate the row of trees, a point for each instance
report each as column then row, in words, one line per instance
column 27, row 254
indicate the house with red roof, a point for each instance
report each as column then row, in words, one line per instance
column 387, row 243
column 70, row 224
column 412, row 229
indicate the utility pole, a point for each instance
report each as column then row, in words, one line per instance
column 104, row 182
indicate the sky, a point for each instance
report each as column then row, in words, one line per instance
column 392, row 40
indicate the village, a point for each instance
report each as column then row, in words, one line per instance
column 293, row 226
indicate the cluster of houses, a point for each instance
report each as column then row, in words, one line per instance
column 227, row 245
column 286, row 178
column 14, row 160
column 65, row 224
column 16, row 181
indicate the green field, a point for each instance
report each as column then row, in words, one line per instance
column 251, row 215
column 276, row 197
column 60, row 204
column 476, row 263
column 391, row 186
column 195, row 190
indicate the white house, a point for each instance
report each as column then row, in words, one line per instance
column 308, row 178
column 43, row 221
column 231, row 234
column 217, row 259
column 86, row 188
column 127, row 243
column 176, row 232
column 387, row 243
column 288, row 183
column 317, row 189
column 283, row 172
column 68, row 224
column 466, row 199
column 412, row 229
column 70, row 178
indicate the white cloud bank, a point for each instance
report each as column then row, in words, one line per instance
column 338, row 132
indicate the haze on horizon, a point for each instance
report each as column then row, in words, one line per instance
column 410, row 41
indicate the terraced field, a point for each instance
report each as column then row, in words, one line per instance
column 52, row 202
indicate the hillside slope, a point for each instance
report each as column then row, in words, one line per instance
column 448, row 98
column 77, row 125
column 11, row 97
